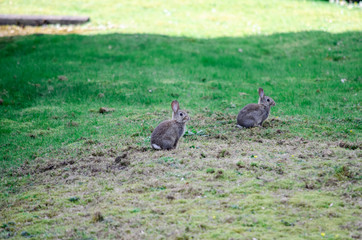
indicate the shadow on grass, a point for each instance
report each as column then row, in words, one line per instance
column 301, row 70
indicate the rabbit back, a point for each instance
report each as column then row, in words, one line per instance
column 252, row 115
column 166, row 135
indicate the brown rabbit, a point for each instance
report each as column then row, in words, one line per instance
column 167, row 133
column 255, row 114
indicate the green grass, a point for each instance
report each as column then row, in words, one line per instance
column 298, row 176
column 302, row 72
column 199, row 18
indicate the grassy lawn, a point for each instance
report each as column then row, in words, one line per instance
column 196, row 18
column 70, row 172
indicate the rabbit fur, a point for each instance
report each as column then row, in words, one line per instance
column 167, row 134
column 253, row 115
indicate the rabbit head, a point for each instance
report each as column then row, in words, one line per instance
column 265, row 100
column 178, row 115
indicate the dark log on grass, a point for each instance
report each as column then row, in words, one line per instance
column 26, row 20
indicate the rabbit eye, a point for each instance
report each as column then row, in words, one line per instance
column 268, row 100
column 181, row 114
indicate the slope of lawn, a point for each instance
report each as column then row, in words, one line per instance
column 200, row 18
column 62, row 162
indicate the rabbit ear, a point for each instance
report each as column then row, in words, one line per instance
column 175, row 106
column 261, row 93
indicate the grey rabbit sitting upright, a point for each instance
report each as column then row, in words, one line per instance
column 253, row 115
column 167, row 134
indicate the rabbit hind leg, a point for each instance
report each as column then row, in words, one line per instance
column 168, row 144
column 248, row 123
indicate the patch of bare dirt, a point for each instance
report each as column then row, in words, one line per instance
column 349, row 145
column 12, row 30
column 129, row 178
column 106, row 110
